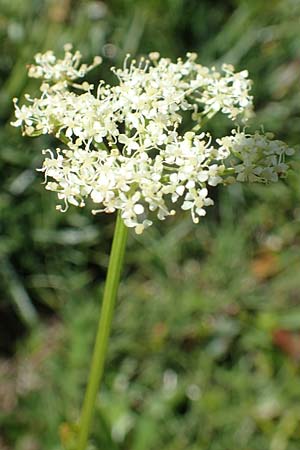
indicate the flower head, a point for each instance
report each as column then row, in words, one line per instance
column 123, row 147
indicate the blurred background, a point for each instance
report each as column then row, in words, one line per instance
column 205, row 349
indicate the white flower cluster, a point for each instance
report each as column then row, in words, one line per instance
column 258, row 158
column 123, row 147
column 50, row 68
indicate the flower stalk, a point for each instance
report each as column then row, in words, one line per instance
column 104, row 327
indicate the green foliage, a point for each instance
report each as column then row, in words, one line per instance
column 205, row 349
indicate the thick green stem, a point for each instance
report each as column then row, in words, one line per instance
column 100, row 349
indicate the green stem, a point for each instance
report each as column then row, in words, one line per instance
column 100, row 349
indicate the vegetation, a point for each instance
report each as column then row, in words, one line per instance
column 206, row 340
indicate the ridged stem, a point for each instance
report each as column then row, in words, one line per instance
column 104, row 327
